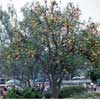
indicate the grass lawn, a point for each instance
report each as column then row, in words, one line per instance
column 87, row 95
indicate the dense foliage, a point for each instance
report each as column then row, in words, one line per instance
column 67, row 92
column 26, row 93
column 48, row 40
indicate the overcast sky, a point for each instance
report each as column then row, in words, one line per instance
column 89, row 8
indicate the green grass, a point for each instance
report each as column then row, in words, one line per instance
column 87, row 95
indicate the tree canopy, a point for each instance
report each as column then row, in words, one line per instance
column 54, row 40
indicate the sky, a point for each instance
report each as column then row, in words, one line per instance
column 89, row 8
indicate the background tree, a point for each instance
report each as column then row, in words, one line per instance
column 94, row 74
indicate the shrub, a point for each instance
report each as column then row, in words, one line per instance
column 14, row 93
column 26, row 93
column 38, row 95
column 47, row 95
column 70, row 91
column 31, row 93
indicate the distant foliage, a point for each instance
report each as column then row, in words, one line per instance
column 71, row 91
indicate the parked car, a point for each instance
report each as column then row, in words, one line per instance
column 41, row 82
column 3, row 80
column 98, row 82
column 14, row 83
column 2, row 84
column 76, row 81
column 78, row 78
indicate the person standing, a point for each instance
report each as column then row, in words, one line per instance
column 94, row 87
column 4, row 93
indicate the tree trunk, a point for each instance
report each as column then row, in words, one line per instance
column 55, row 89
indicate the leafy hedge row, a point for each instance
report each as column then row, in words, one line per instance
column 71, row 91
column 26, row 93
column 30, row 93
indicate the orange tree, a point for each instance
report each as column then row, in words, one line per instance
column 57, row 37
column 89, row 43
column 16, row 51
column 54, row 36
column 19, row 54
